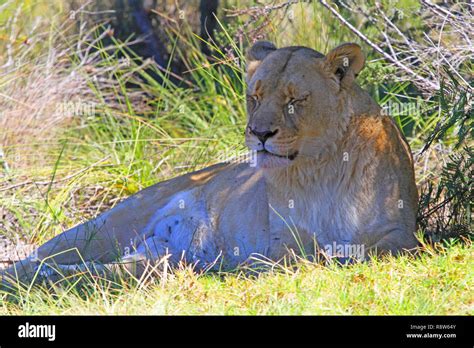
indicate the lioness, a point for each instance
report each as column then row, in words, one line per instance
column 332, row 170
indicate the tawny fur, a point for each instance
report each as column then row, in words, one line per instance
column 351, row 182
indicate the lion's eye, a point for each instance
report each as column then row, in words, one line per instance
column 294, row 101
column 252, row 101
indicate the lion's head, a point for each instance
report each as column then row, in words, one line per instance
column 298, row 100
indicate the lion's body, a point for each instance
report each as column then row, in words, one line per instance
column 349, row 182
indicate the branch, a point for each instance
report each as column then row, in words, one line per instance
column 377, row 48
column 29, row 182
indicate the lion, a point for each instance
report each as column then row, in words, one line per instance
column 332, row 172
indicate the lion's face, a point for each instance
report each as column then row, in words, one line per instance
column 294, row 98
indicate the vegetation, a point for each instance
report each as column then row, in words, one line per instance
column 438, row 282
column 84, row 123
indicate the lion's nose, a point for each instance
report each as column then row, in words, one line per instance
column 263, row 135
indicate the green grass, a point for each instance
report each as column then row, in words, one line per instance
column 438, row 282
column 142, row 132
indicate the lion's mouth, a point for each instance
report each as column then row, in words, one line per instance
column 291, row 157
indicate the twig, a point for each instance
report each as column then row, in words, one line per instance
column 446, row 201
column 376, row 47
column 30, row 182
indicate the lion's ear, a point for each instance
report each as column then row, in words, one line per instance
column 346, row 60
column 256, row 54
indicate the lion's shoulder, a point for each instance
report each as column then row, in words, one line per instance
column 380, row 130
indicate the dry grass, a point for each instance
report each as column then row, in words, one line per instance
column 61, row 168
